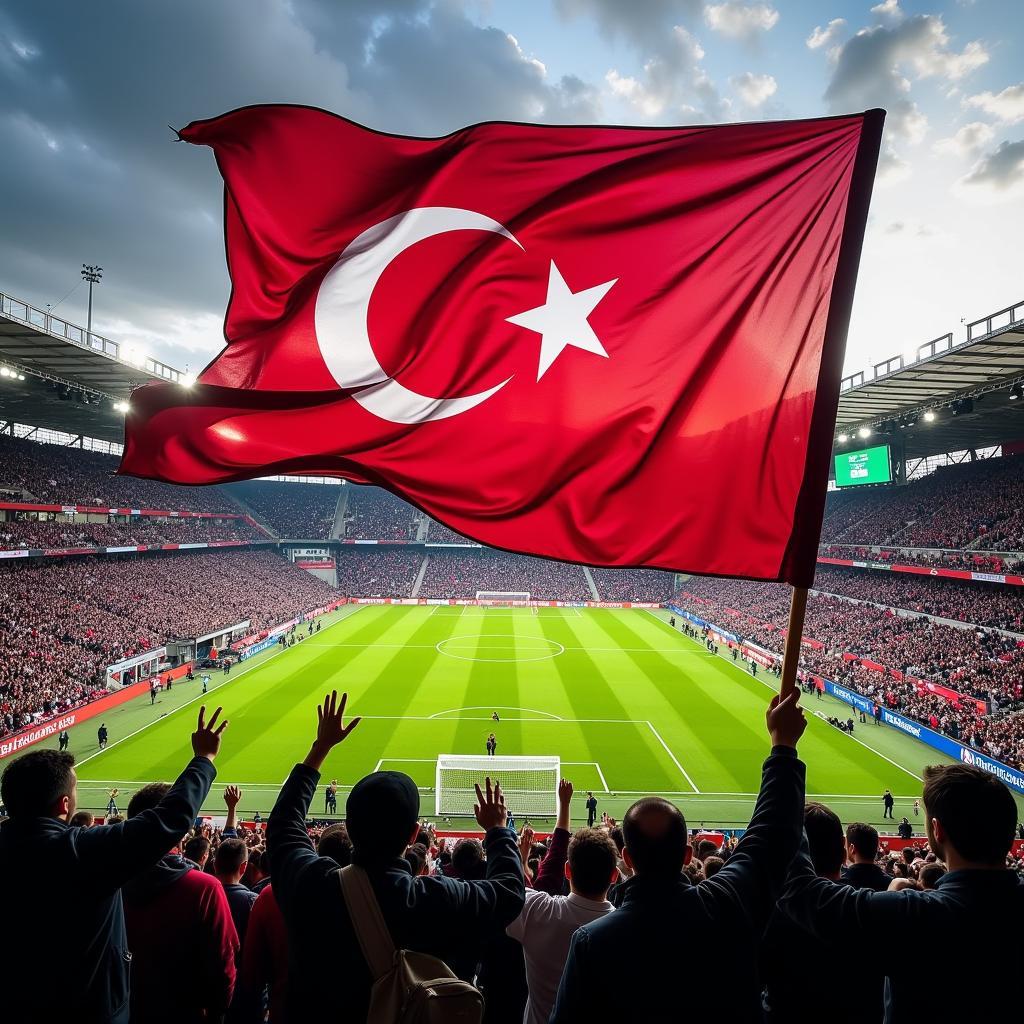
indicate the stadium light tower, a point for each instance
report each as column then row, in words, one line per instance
column 92, row 275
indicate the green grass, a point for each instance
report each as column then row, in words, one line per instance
column 630, row 706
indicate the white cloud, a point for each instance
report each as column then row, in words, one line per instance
column 877, row 68
column 673, row 82
column 888, row 9
column 754, row 90
column 826, row 36
column 1007, row 106
column 997, row 176
column 967, row 140
column 739, row 20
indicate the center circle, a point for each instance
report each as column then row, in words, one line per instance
column 507, row 648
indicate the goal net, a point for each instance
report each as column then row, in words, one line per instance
column 530, row 784
column 507, row 597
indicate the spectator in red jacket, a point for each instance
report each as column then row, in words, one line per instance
column 181, row 935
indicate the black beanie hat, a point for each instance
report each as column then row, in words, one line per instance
column 381, row 812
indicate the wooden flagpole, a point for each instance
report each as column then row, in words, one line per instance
column 794, row 637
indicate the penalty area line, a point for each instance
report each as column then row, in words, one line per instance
column 675, row 760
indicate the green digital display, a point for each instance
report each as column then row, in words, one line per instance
column 867, row 466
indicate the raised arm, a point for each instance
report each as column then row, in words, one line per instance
column 123, row 850
column 754, row 874
column 551, row 871
column 288, row 845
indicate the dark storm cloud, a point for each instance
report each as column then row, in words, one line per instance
column 91, row 173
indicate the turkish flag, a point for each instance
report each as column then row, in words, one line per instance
column 615, row 346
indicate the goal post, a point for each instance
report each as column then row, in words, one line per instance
column 530, row 784
column 504, row 597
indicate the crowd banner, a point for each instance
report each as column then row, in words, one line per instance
column 1012, row 579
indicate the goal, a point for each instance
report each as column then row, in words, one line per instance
column 504, row 597
column 530, row 784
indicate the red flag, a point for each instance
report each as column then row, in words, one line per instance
column 616, row 346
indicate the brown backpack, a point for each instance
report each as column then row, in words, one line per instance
column 408, row 987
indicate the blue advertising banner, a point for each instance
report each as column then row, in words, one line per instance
column 850, row 697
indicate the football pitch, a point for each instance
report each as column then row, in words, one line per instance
column 630, row 705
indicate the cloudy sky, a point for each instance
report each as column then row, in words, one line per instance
column 90, row 172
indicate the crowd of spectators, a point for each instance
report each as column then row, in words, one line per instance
column 378, row 572
column 463, row 573
column 982, row 604
column 176, row 922
column 296, row 510
column 438, row 533
column 62, row 623
column 633, row 584
column 55, row 475
column 972, row 561
column 63, row 532
column 373, row 513
column 970, row 505
column 841, row 637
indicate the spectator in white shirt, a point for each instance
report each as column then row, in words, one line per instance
column 547, row 922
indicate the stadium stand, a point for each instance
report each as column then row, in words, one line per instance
column 291, row 509
column 970, row 505
column 462, row 574
column 64, row 622
column 383, row 572
column 633, row 584
column 438, row 533
column 375, row 514
column 37, row 533
column 52, row 474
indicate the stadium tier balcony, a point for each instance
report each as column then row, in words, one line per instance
column 53, row 475
column 297, row 510
column 63, row 623
column 463, row 574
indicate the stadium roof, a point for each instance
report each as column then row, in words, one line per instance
column 965, row 388
column 73, row 380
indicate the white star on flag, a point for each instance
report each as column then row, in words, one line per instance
column 562, row 320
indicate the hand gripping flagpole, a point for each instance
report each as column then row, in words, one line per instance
column 794, row 637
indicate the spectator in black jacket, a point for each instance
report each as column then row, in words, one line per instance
column 971, row 818
column 789, row 988
column 445, row 917
column 51, row 867
column 668, row 936
column 862, row 871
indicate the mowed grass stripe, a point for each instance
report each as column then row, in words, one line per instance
column 590, row 694
column 835, row 763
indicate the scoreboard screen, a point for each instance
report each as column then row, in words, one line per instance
column 866, row 466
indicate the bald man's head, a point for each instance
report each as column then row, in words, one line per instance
column 655, row 836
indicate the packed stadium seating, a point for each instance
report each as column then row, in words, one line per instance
column 63, row 622
column 633, row 584
column 461, row 574
column 32, row 533
column 972, row 561
column 970, row 505
column 378, row 572
column 51, row 474
column 303, row 511
column 375, row 514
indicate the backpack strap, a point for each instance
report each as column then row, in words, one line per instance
column 367, row 920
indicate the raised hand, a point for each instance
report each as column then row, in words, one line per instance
column 232, row 794
column 785, row 720
column 564, row 800
column 490, row 807
column 206, row 738
column 331, row 728
column 525, row 843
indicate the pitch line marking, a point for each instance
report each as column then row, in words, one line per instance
column 675, row 760
column 274, row 651
column 544, row 654
column 495, row 707
column 604, row 781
